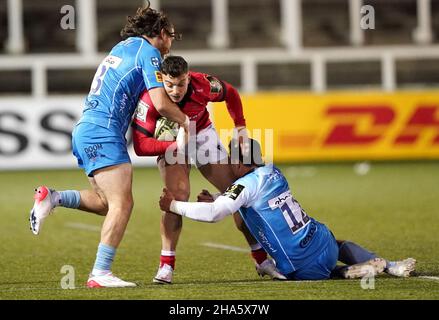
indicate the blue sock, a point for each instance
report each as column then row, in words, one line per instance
column 104, row 259
column 69, row 198
column 351, row 253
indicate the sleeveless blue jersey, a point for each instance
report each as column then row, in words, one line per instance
column 132, row 66
column 277, row 220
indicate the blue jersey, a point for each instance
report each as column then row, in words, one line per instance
column 277, row 220
column 132, row 66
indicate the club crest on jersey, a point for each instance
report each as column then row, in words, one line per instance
column 158, row 76
column 233, row 191
column 215, row 85
column 155, row 62
column 141, row 111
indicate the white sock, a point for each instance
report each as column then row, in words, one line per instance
column 167, row 253
column 98, row 272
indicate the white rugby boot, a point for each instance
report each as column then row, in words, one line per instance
column 43, row 206
column 371, row 267
column 108, row 281
column 164, row 275
column 402, row 268
column 268, row 268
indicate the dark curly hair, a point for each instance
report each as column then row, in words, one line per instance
column 148, row 22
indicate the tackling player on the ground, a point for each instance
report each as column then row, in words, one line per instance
column 303, row 248
column 192, row 91
column 98, row 139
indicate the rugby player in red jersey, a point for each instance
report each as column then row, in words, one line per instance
column 192, row 91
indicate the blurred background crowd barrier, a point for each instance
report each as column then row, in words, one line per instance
column 333, row 79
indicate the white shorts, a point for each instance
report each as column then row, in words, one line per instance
column 209, row 148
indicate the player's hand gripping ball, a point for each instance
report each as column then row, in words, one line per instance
column 165, row 130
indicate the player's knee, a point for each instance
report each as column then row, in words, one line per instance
column 181, row 192
column 123, row 206
column 129, row 204
column 102, row 207
column 102, row 211
column 182, row 196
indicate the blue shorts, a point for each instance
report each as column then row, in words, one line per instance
column 321, row 267
column 97, row 147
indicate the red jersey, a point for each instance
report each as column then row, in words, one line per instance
column 202, row 89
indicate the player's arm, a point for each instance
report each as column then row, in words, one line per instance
column 224, row 91
column 234, row 105
column 201, row 211
column 143, row 128
column 235, row 197
column 146, row 145
column 166, row 107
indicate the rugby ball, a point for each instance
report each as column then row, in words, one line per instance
column 165, row 130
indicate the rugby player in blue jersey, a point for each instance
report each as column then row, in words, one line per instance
column 302, row 247
column 99, row 142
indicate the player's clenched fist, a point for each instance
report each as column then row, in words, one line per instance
column 165, row 200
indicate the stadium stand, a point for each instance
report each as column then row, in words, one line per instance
column 252, row 25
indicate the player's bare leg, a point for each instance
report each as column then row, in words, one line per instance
column 46, row 200
column 110, row 196
column 115, row 184
column 94, row 200
column 221, row 176
column 176, row 179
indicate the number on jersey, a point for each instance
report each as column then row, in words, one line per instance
column 293, row 213
column 110, row 62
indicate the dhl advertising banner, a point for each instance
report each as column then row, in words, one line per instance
column 343, row 126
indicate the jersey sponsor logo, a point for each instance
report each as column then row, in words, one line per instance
column 141, row 111
column 155, row 62
column 158, row 76
column 113, row 61
column 265, row 242
column 311, row 232
column 93, row 151
column 233, row 191
column 279, row 200
column 215, row 85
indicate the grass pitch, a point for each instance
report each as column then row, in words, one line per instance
column 392, row 210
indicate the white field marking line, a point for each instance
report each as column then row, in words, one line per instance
column 225, row 247
column 83, row 226
column 429, row 278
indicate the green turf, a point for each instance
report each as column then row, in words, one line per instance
column 393, row 210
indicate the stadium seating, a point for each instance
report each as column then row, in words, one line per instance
column 252, row 24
